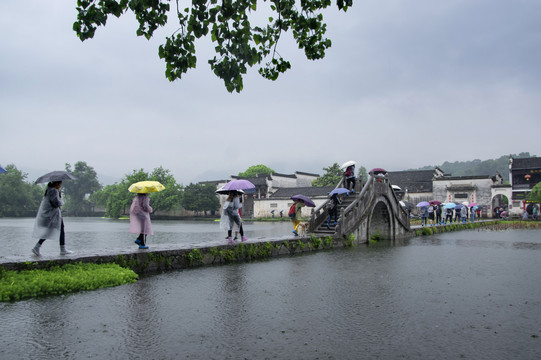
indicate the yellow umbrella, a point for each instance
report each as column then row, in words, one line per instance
column 143, row 187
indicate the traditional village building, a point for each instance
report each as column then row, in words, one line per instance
column 417, row 185
column 469, row 189
column 281, row 200
column 265, row 187
column 524, row 174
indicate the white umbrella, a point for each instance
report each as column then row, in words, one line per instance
column 347, row 163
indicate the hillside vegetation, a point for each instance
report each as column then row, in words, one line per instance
column 478, row 167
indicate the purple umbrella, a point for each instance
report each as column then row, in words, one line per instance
column 459, row 206
column 238, row 185
column 307, row 201
column 423, row 204
column 339, row 191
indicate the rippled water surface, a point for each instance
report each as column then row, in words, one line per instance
column 462, row 295
column 94, row 234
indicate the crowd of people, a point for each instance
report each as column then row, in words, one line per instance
column 50, row 225
column 438, row 214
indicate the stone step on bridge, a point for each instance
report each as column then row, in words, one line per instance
column 373, row 212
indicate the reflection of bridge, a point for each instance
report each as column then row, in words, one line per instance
column 375, row 211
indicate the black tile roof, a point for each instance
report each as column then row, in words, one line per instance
column 416, row 181
column 526, row 163
column 310, row 191
column 257, row 180
column 305, row 173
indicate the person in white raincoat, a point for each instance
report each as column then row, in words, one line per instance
column 49, row 223
column 230, row 216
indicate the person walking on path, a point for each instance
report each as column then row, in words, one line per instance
column 296, row 215
column 438, row 215
column 332, row 207
column 464, row 214
column 431, row 214
column 230, row 216
column 349, row 174
column 472, row 214
column 457, row 214
column 140, row 211
column 449, row 215
column 424, row 216
column 49, row 223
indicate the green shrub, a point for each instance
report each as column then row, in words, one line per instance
column 18, row 285
column 194, row 257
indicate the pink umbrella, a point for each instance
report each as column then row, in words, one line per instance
column 435, row 202
column 376, row 171
column 472, row 204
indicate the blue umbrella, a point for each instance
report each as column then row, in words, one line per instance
column 459, row 206
column 339, row 191
column 450, row 205
column 307, row 201
column 2, row 170
column 423, row 204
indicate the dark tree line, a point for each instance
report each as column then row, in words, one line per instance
column 20, row 197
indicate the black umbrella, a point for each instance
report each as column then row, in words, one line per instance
column 58, row 175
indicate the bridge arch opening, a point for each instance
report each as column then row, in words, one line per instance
column 380, row 224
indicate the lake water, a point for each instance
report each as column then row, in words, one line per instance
column 87, row 235
column 461, row 295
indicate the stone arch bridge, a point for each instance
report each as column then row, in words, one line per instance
column 372, row 212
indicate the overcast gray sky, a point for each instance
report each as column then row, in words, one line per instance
column 405, row 84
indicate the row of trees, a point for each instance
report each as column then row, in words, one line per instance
column 333, row 174
column 18, row 197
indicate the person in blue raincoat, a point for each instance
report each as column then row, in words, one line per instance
column 49, row 223
column 424, row 215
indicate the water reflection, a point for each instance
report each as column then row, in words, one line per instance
column 467, row 295
column 87, row 235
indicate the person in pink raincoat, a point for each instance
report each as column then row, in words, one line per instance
column 140, row 219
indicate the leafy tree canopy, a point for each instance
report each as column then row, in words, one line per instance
column 479, row 167
column 77, row 190
column 167, row 199
column 200, row 197
column 17, row 197
column 535, row 194
column 332, row 176
column 363, row 174
column 255, row 170
column 117, row 199
column 238, row 42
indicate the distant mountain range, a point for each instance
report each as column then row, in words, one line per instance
column 478, row 167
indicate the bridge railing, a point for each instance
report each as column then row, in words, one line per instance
column 351, row 217
column 320, row 213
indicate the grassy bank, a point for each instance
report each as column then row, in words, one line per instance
column 493, row 225
column 57, row 280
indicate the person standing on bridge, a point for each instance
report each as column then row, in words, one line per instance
column 332, row 208
column 140, row 219
column 349, row 175
column 296, row 215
